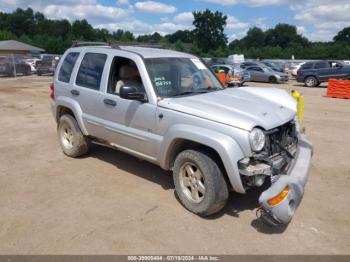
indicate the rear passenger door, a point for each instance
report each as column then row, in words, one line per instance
column 85, row 89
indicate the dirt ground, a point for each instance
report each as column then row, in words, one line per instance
column 112, row 203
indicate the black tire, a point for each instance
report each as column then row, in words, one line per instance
column 77, row 144
column 311, row 81
column 216, row 190
column 273, row 80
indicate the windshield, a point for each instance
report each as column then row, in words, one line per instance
column 180, row 76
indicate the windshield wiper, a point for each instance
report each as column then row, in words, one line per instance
column 191, row 92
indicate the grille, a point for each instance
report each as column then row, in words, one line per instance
column 282, row 136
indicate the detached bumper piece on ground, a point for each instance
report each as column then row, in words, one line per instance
column 280, row 201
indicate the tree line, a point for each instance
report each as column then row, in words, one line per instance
column 207, row 39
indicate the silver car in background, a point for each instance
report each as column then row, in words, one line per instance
column 259, row 73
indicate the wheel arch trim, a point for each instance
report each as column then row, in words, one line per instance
column 74, row 107
column 226, row 147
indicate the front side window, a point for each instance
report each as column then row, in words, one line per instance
column 90, row 71
column 67, row 67
column 180, row 76
column 266, row 69
column 124, row 72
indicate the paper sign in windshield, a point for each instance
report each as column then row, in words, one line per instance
column 161, row 81
column 198, row 64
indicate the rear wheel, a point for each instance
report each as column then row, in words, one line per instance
column 199, row 183
column 311, row 81
column 72, row 140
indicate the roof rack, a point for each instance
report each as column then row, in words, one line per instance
column 86, row 43
column 119, row 44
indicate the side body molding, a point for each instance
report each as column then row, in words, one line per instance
column 225, row 146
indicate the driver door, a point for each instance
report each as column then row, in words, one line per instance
column 130, row 124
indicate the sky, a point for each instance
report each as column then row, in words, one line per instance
column 318, row 20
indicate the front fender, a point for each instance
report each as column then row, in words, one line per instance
column 227, row 148
column 72, row 105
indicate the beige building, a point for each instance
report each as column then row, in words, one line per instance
column 8, row 47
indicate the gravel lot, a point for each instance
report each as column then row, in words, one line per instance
column 112, row 203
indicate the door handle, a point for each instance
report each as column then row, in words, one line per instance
column 109, row 102
column 75, row 92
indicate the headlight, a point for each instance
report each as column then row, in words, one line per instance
column 257, row 139
column 297, row 124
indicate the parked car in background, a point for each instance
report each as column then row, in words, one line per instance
column 244, row 65
column 47, row 65
column 32, row 63
column 294, row 69
column 273, row 66
column 12, row 66
column 266, row 74
column 234, row 74
column 314, row 73
column 214, row 60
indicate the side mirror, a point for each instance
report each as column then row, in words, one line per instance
column 131, row 93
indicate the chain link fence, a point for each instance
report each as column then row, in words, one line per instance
column 13, row 65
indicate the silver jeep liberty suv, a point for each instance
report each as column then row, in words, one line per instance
column 168, row 108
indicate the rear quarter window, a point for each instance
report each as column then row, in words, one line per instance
column 67, row 67
column 90, row 71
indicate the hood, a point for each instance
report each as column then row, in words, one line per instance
column 243, row 108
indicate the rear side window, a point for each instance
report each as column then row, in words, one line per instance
column 90, row 71
column 67, row 67
column 307, row 66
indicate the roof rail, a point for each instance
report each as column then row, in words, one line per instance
column 86, row 43
column 118, row 44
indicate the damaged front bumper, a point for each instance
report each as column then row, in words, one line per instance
column 280, row 201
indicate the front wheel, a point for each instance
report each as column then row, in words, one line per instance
column 273, row 80
column 311, row 81
column 72, row 140
column 199, row 183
